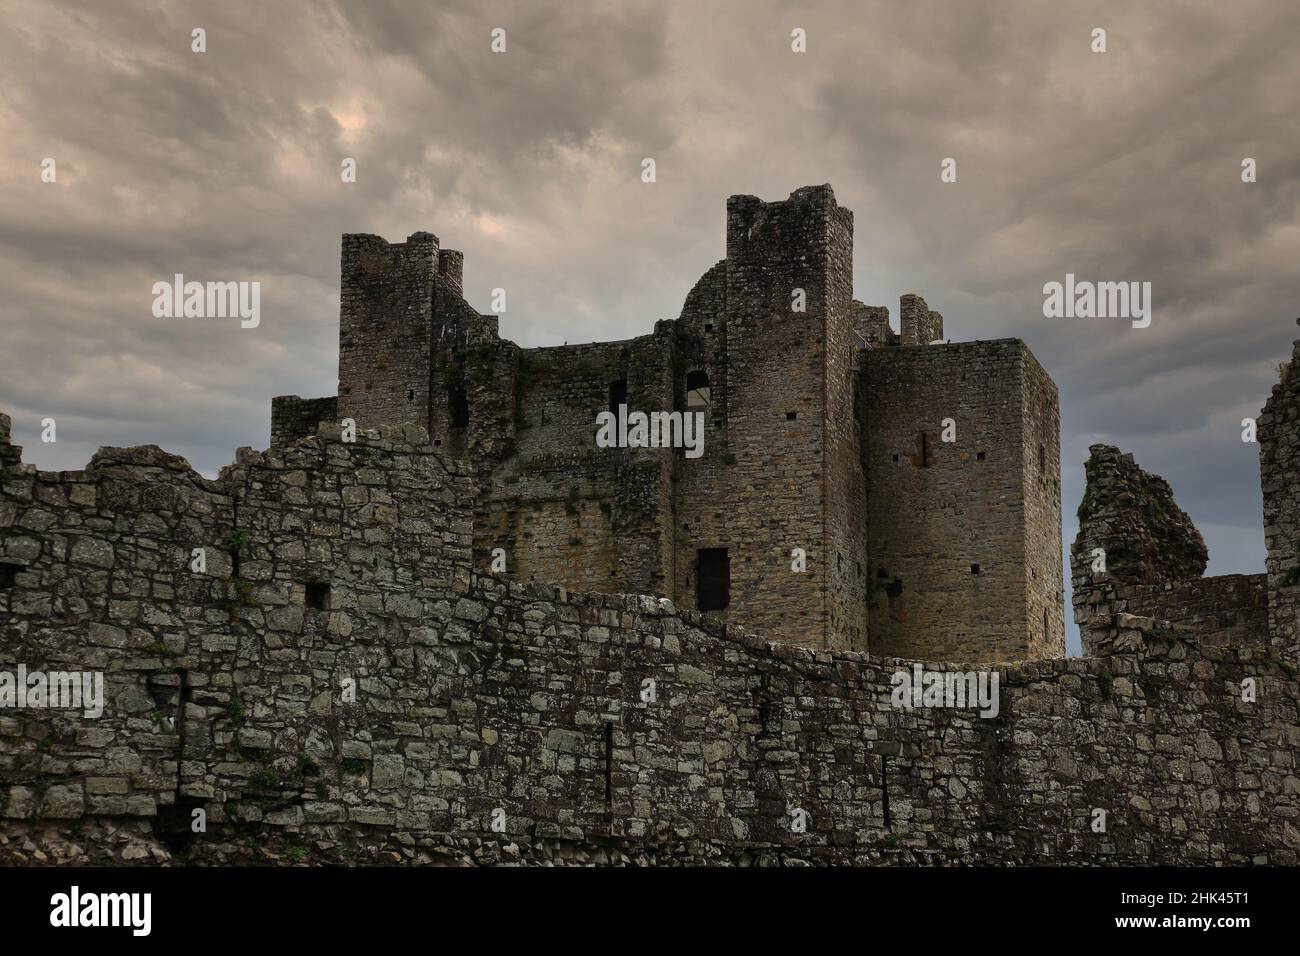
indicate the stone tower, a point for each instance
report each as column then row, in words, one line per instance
column 385, row 328
column 783, row 450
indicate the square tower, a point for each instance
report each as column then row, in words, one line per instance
column 963, row 502
column 785, row 458
column 385, row 329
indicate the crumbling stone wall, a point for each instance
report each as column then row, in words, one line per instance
column 108, row 583
column 1153, row 560
column 422, row 701
column 1132, row 516
column 293, row 417
column 871, row 323
column 917, row 324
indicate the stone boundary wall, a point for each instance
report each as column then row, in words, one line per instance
column 1230, row 608
column 293, row 417
column 423, row 702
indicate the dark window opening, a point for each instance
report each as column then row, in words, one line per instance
column 974, row 569
column 791, row 416
column 458, row 407
column 895, row 457
column 713, row 575
column 894, row 588
column 318, row 595
column 174, row 820
column 1042, row 458
column 1046, row 627
column 708, row 326
column 925, row 454
column 609, row 764
column 979, row 456
column 9, row 573
column 410, row 394
column 617, row 395
column 884, row 789
column 697, row 389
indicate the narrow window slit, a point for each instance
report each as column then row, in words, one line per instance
column 617, row 395
column 609, row 764
column 884, row 790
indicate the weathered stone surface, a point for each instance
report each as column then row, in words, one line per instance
column 1132, row 515
column 405, row 735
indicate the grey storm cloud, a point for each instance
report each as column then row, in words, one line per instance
column 225, row 166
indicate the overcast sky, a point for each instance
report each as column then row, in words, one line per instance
column 225, row 165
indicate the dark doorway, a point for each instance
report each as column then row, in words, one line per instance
column 617, row 395
column 458, row 407
column 713, row 579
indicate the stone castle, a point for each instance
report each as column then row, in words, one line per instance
column 310, row 658
column 823, row 432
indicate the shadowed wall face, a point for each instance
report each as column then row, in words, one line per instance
column 956, row 570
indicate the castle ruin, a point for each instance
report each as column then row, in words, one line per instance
column 824, row 432
column 343, row 678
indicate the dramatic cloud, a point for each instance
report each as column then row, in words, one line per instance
column 225, row 166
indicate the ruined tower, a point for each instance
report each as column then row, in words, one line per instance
column 777, row 482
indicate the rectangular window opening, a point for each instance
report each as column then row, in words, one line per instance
column 609, row 764
column 318, row 595
column 617, row 395
column 458, row 407
column 9, row 573
column 884, row 790
column 713, row 577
